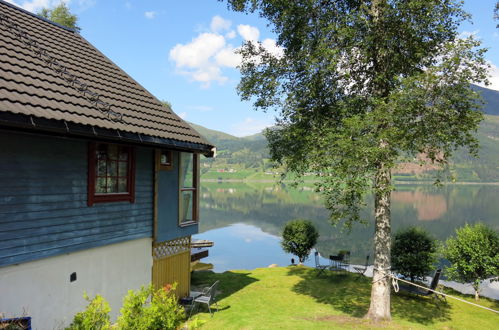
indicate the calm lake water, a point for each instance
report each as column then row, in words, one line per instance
column 246, row 220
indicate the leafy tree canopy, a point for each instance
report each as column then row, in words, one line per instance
column 474, row 255
column 347, row 82
column 61, row 15
column 298, row 238
column 413, row 252
column 358, row 85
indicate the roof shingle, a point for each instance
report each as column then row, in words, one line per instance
column 30, row 83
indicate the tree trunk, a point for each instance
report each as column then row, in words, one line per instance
column 476, row 286
column 379, row 309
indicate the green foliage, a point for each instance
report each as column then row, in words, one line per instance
column 473, row 254
column 413, row 252
column 361, row 84
column 496, row 13
column 167, row 104
column 94, row 317
column 149, row 309
column 61, row 15
column 299, row 237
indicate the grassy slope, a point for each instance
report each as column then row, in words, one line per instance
column 295, row 298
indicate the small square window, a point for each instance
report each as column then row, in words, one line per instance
column 165, row 159
column 111, row 176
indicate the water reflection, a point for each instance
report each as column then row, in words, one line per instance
column 245, row 221
column 428, row 206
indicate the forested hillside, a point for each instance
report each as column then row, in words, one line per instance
column 248, row 157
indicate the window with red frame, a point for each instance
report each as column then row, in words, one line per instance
column 111, row 176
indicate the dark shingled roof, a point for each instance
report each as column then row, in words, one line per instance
column 50, row 76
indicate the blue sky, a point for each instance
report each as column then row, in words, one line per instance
column 183, row 51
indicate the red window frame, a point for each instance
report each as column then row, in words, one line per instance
column 94, row 197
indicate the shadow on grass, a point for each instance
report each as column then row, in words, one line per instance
column 229, row 282
column 351, row 295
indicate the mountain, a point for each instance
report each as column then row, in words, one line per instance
column 248, row 157
column 491, row 100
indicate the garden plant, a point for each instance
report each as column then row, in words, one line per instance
column 299, row 237
column 474, row 255
column 414, row 253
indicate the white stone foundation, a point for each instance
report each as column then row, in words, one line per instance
column 42, row 289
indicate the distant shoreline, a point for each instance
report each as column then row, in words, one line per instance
column 312, row 181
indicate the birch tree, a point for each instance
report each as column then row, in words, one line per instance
column 360, row 84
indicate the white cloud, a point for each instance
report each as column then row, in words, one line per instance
column 219, row 24
column 271, row 46
column 150, row 14
column 248, row 32
column 228, row 57
column 183, row 115
column 466, row 34
column 494, row 77
column 203, row 58
column 195, row 59
column 249, row 126
column 36, row 5
column 198, row 51
column 231, row 34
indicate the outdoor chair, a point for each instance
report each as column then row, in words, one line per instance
column 345, row 260
column 340, row 262
column 207, row 297
column 361, row 270
column 425, row 292
column 318, row 266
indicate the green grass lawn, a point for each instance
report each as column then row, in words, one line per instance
column 295, row 298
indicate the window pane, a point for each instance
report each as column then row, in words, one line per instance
column 122, row 185
column 186, row 170
column 101, row 151
column 165, row 158
column 112, row 151
column 112, row 170
column 123, row 169
column 100, row 186
column 101, row 167
column 123, row 153
column 186, row 203
column 112, row 185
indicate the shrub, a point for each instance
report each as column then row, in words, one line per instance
column 298, row 238
column 473, row 254
column 151, row 309
column 94, row 317
column 413, row 253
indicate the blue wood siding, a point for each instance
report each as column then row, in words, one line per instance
column 168, row 204
column 43, row 200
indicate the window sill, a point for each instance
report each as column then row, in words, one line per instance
column 110, row 198
column 187, row 224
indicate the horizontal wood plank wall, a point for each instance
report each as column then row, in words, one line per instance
column 171, row 264
column 167, row 225
column 43, row 200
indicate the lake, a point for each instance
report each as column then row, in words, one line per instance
column 245, row 220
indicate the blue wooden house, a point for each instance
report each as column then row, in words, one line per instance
column 99, row 181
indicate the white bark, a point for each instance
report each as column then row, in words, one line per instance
column 380, row 292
